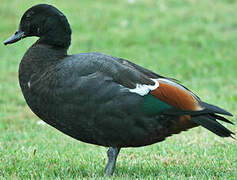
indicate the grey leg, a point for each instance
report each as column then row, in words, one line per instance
column 112, row 156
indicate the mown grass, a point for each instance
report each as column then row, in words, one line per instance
column 191, row 40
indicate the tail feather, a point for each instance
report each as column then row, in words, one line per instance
column 221, row 118
column 207, row 117
column 211, row 124
column 215, row 109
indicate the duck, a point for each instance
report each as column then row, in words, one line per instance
column 101, row 99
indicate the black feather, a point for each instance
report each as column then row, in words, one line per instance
column 215, row 109
column 221, row 118
column 211, row 124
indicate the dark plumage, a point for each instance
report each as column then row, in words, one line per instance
column 101, row 99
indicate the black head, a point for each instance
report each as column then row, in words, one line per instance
column 46, row 22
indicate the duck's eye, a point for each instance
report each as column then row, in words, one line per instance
column 29, row 15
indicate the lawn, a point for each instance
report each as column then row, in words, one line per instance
column 194, row 41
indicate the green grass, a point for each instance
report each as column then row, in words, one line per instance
column 194, row 41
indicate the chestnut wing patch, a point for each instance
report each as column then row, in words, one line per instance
column 176, row 95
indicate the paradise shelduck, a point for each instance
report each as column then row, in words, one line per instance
column 101, row 99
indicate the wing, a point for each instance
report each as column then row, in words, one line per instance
column 175, row 100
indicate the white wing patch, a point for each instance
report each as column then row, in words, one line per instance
column 28, row 84
column 143, row 89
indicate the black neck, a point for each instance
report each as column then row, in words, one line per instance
column 56, row 39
